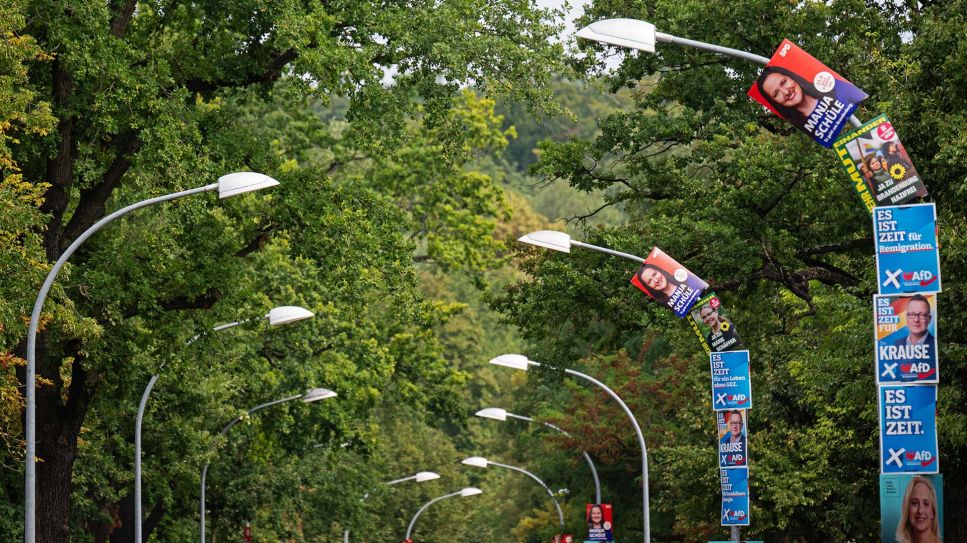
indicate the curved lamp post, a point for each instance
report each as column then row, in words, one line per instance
column 227, row 185
column 635, row 34
column 497, row 413
column 419, row 478
column 277, row 316
column 313, row 395
column 469, row 491
column 520, row 362
column 481, row 462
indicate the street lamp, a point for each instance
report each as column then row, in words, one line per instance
column 463, row 493
column 227, row 185
column 420, row 477
column 560, row 241
column 496, row 413
column 520, row 362
column 276, row 316
column 635, row 34
column 313, row 395
column 481, row 462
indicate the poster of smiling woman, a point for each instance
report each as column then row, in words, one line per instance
column 668, row 282
column 911, row 508
column 805, row 92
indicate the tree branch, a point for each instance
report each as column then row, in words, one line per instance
column 119, row 24
column 204, row 301
column 271, row 73
column 93, row 200
column 838, row 247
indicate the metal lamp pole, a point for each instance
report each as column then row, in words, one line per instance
column 227, row 185
column 313, row 395
column 277, row 316
column 482, row 462
column 497, row 413
column 469, row 491
column 419, row 477
column 520, row 362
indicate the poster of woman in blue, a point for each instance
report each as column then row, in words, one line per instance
column 668, row 282
column 804, row 91
column 906, row 341
column 911, row 508
column 599, row 522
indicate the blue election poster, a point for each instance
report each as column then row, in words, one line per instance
column 733, row 440
column 731, row 385
column 735, row 496
column 907, row 258
column 908, row 429
column 911, row 508
column 905, row 335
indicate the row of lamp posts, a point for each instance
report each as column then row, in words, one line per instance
column 628, row 33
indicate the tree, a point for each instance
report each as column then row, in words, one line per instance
column 143, row 94
column 771, row 221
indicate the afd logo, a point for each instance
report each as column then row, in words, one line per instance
column 726, row 399
column 733, row 515
column 924, row 277
column 920, row 277
column 924, row 458
column 923, row 370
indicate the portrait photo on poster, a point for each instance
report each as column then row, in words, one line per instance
column 600, row 518
column 715, row 331
column 733, row 438
column 879, row 164
column 905, row 337
column 911, row 508
column 802, row 90
column 668, row 282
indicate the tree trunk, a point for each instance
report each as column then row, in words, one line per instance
column 58, row 425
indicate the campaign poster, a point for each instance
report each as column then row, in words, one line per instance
column 731, row 384
column 908, row 429
column 716, row 332
column 735, row 496
column 599, row 517
column 562, row 538
column 907, row 257
column 802, row 90
column 905, row 334
column 668, row 282
column 878, row 165
column 733, row 439
column 911, row 508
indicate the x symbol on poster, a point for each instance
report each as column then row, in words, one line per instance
column 725, row 515
column 891, row 278
column 720, row 398
column 888, row 369
column 895, row 456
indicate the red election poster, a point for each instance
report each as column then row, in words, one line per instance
column 668, row 282
column 599, row 522
column 805, row 92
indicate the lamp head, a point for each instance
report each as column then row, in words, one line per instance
column 476, row 461
column 548, row 239
column 318, row 394
column 288, row 313
column 630, row 33
column 495, row 413
column 426, row 476
column 515, row 361
column 242, row 182
column 470, row 491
